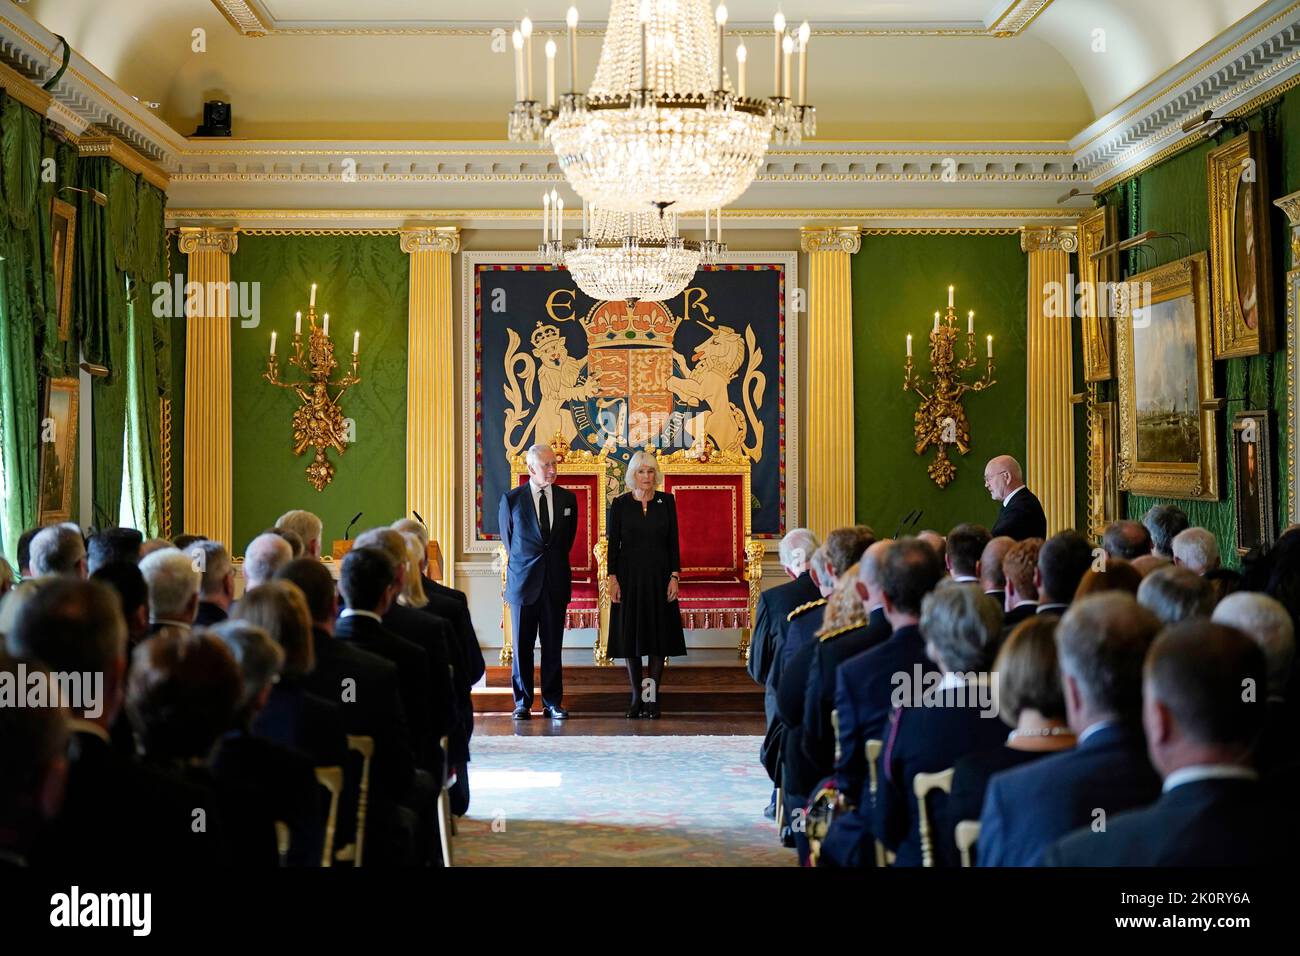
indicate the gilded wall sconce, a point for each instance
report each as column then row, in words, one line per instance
column 940, row 421
column 318, row 422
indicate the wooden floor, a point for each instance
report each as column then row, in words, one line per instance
column 579, row 725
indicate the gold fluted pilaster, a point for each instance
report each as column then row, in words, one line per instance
column 207, row 466
column 430, row 387
column 1049, row 423
column 830, row 492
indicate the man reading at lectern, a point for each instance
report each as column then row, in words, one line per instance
column 538, row 522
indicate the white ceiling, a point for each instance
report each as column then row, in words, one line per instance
column 1044, row 84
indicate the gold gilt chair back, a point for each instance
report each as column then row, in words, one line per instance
column 331, row 778
column 922, row 785
column 966, row 833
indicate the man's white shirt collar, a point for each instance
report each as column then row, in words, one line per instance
column 357, row 612
column 1207, row 771
column 1007, row 500
column 1092, row 729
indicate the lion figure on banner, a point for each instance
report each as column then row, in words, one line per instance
column 717, row 360
column 557, row 375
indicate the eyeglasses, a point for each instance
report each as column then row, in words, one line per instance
column 989, row 478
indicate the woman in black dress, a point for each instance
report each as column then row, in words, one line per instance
column 644, row 569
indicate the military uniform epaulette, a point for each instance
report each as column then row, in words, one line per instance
column 803, row 608
column 841, row 630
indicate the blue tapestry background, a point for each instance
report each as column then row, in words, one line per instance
column 744, row 299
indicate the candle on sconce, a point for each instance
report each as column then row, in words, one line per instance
column 804, row 32
column 950, row 292
column 742, row 54
column 909, row 345
column 273, row 342
column 970, row 322
column 717, row 219
column 990, row 343
column 559, row 220
column 645, row 26
column 313, row 295
column 778, row 31
column 526, row 28
column 517, row 39
column 356, row 341
column 721, row 17
column 546, row 217
column 936, row 323
column 550, row 73
column 326, row 331
column 572, row 20
column 787, row 47
column 297, row 323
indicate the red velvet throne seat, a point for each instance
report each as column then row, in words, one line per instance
column 722, row 567
column 585, row 474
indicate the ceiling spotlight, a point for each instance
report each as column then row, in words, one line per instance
column 1206, row 122
column 1072, row 194
column 148, row 103
column 100, row 199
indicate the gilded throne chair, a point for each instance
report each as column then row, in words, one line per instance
column 586, row 475
column 722, row 566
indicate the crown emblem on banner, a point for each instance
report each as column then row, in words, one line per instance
column 544, row 335
column 648, row 325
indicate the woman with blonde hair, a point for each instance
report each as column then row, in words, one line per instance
column 413, row 584
column 644, row 570
column 844, row 605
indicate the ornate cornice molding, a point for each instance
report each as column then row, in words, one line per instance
column 1049, row 239
column 24, row 90
column 206, row 239
column 113, row 148
column 431, row 239
column 1290, row 204
column 830, row 239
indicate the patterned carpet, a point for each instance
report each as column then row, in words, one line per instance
column 618, row 801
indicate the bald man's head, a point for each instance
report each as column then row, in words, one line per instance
column 1002, row 475
column 989, row 568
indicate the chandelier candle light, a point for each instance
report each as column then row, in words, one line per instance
column 318, row 422
column 660, row 125
column 941, row 420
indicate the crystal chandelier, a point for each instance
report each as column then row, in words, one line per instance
column 661, row 127
column 627, row 255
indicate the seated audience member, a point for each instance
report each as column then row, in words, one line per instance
column 817, row 735
column 24, row 553
column 1030, row 700
column 183, row 542
column 1020, row 571
column 933, row 728
column 154, row 544
column 1117, row 575
column 1212, row 810
column 1265, row 621
column 308, row 529
column 1197, row 550
column 374, row 707
column 173, row 589
column 1150, row 562
column 1062, row 562
column 1102, row 641
column 909, row 570
column 989, row 568
column 111, row 545
column 125, row 578
column 6, row 577
column 772, row 619
column 17, row 597
column 964, row 546
column 1174, row 594
column 431, row 587
column 217, row 581
column 291, row 714
column 115, row 811
column 290, row 537
column 845, row 619
column 33, row 768
column 183, row 694
column 265, row 555
column 1164, row 523
column 283, row 777
column 1126, row 540
column 1223, row 581
column 938, row 544
column 59, row 550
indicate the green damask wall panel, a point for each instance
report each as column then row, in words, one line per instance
column 1171, row 197
column 898, row 282
column 362, row 283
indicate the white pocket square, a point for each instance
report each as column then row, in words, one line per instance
column 568, row 511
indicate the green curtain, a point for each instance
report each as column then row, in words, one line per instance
column 24, row 285
column 143, row 432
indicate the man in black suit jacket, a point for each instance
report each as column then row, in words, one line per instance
column 1213, row 810
column 775, row 605
column 217, row 582
column 33, row 751
column 989, row 569
column 1021, row 515
column 1102, row 641
column 538, row 523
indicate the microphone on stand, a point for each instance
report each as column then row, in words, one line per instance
column 347, row 533
column 417, row 517
column 903, row 521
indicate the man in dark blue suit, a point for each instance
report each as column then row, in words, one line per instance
column 538, row 523
column 1200, row 727
column 909, row 570
column 1021, row 515
column 1102, row 641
